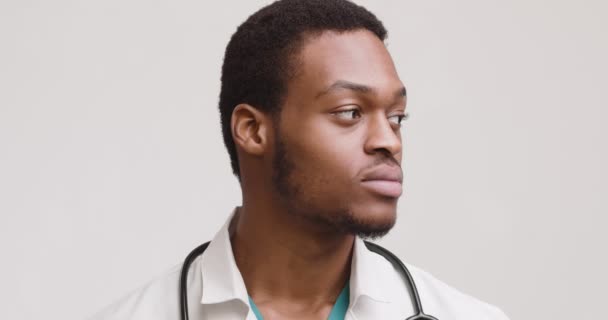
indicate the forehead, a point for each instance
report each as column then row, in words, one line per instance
column 355, row 56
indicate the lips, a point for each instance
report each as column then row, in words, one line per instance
column 384, row 180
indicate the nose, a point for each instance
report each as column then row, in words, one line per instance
column 381, row 136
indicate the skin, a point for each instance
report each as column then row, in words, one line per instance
column 303, row 199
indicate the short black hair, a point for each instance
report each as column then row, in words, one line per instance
column 257, row 61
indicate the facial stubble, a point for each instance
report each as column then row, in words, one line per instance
column 292, row 192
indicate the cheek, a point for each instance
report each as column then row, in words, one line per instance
column 325, row 154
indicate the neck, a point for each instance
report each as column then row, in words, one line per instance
column 285, row 258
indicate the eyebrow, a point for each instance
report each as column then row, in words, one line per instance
column 361, row 88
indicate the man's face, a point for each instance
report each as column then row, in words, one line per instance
column 337, row 157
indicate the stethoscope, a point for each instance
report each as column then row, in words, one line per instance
column 419, row 314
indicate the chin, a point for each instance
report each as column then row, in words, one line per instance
column 372, row 221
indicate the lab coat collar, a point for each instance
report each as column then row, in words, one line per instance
column 222, row 280
column 368, row 274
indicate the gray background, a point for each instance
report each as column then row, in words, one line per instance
column 112, row 165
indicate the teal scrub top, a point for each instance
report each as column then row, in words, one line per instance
column 338, row 312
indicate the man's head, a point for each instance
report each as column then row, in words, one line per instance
column 310, row 98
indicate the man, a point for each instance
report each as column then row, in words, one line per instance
column 311, row 107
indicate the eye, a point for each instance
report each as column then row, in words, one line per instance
column 398, row 118
column 349, row 114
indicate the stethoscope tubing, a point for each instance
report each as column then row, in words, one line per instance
column 393, row 259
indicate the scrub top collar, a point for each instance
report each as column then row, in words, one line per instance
column 223, row 282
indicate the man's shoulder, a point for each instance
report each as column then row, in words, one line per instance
column 157, row 299
column 440, row 298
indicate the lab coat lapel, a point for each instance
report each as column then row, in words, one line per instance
column 374, row 288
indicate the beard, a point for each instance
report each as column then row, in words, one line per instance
column 295, row 197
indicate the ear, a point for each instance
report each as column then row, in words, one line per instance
column 250, row 129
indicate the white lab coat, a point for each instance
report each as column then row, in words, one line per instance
column 216, row 291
